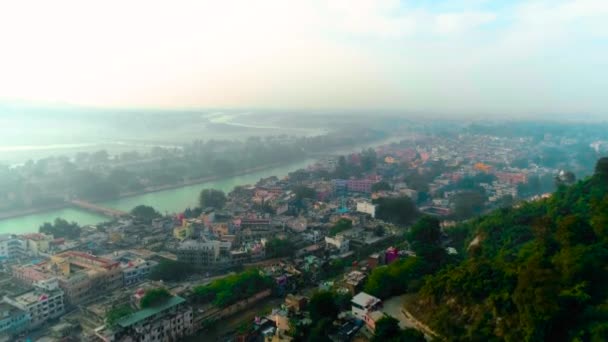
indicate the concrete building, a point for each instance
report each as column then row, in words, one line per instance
column 363, row 304
column 134, row 268
column 166, row 322
column 366, row 208
column 42, row 304
column 38, row 243
column 13, row 320
column 11, row 247
column 81, row 276
column 205, row 254
column 339, row 242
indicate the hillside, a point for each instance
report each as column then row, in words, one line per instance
column 538, row 272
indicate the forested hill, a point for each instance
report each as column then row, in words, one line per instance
column 538, row 272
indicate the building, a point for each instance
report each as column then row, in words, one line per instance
column 11, row 247
column 169, row 321
column 134, row 268
column 338, row 242
column 42, row 304
column 13, row 320
column 363, row 304
column 366, row 208
column 38, row 243
column 205, row 254
column 81, row 276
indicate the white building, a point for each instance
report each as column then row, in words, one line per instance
column 339, row 242
column 367, row 208
column 43, row 303
column 11, row 247
column 363, row 304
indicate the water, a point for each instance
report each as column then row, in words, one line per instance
column 167, row 201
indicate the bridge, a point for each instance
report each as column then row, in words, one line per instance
column 97, row 209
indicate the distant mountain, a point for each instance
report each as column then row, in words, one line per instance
column 538, row 272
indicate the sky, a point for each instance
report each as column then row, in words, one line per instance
column 463, row 56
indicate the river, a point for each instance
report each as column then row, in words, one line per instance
column 166, row 201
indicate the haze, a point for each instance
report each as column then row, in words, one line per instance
column 467, row 56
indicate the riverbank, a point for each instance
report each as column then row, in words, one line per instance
column 147, row 190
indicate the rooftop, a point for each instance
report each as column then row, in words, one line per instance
column 363, row 299
column 149, row 312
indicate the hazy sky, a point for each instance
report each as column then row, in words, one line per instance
column 500, row 57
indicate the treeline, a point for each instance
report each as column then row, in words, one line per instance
column 533, row 273
column 98, row 176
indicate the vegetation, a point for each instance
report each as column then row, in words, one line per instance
column 400, row 210
column 303, row 192
column 145, row 213
column 169, row 270
column 535, row 273
column 468, row 204
column 280, row 248
column 324, row 307
column 118, row 312
column 233, row 288
column 212, row 198
column 340, row 226
column 61, row 229
column 387, row 330
column 381, row 186
column 154, row 297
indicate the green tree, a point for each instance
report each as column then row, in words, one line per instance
column 118, row 312
column 388, row 330
column 340, row 226
column 145, row 213
column 601, row 167
column 381, row 186
column 468, row 204
column 154, row 297
column 212, row 198
column 169, row 270
column 400, row 210
column 61, row 229
column 279, row 248
column 322, row 305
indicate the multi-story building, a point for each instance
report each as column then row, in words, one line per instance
column 38, row 243
column 11, row 247
column 363, row 304
column 367, row 208
column 81, row 276
column 13, row 320
column 338, row 242
column 43, row 303
column 205, row 254
column 168, row 321
column 134, row 268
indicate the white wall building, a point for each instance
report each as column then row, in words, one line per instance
column 367, row 208
column 43, row 303
column 339, row 242
column 363, row 304
column 11, row 247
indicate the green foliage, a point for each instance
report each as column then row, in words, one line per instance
column 387, row 330
column 229, row 290
column 61, row 229
column 340, row 226
column 145, row 213
column 154, row 297
column 601, row 167
column 401, row 210
column 303, row 192
column 468, row 204
column 538, row 273
column 212, row 198
column 381, row 186
column 279, row 248
column 169, row 270
column 118, row 312
column 396, row 278
column 322, row 305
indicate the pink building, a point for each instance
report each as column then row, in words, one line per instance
column 392, row 254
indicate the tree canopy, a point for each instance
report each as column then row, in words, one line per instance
column 154, row 297
column 279, row 248
column 212, row 198
column 533, row 273
column 61, row 229
column 340, row 226
column 145, row 213
column 169, row 270
column 388, row 330
column 400, row 210
column 235, row 287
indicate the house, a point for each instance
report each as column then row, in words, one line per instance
column 364, row 303
column 43, row 303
